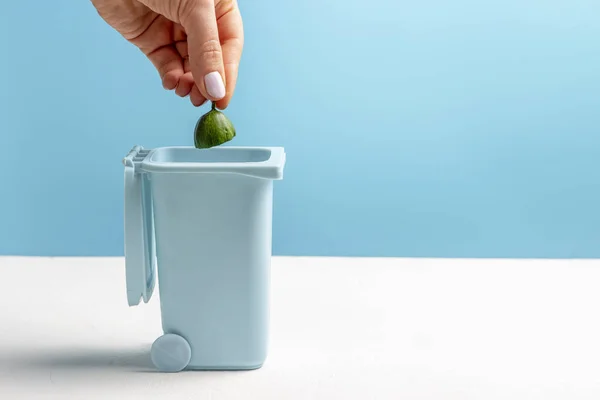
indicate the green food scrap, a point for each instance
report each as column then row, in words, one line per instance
column 213, row 129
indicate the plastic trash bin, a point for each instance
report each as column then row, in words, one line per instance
column 203, row 220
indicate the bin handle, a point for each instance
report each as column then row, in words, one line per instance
column 140, row 253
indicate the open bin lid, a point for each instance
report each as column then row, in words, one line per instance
column 140, row 254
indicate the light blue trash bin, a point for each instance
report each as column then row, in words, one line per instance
column 203, row 219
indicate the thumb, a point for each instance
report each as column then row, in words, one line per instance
column 206, row 56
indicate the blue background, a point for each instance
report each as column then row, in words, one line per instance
column 432, row 128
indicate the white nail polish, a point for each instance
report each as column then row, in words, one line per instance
column 214, row 85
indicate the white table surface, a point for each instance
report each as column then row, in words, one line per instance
column 341, row 329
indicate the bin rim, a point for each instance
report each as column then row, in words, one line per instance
column 269, row 168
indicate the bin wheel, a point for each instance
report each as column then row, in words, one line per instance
column 170, row 353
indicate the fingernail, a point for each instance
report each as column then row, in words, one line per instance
column 214, row 85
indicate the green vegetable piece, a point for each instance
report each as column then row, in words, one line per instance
column 213, row 129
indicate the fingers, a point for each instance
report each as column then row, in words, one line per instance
column 168, row 64
column 231, row 33
column 172, row 70
column 166, row 58
column 206, row 55
column 185, row 84
column 196, row 97
column 186, row 81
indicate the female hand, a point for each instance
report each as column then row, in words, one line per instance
column 195, row 45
